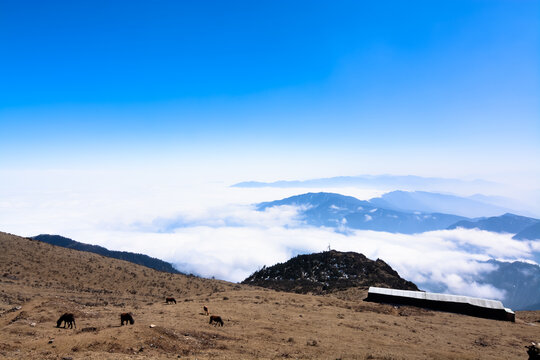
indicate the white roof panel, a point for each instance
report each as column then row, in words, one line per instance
column 491, row 304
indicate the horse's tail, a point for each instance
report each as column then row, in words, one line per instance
column 131, row 321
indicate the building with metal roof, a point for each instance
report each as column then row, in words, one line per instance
column 490, row 309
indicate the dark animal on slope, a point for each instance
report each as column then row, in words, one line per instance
column 206, row 311
column 68, row 320
column 170, row 300
column 216, row 319
column 126, row 317
column 533, row 351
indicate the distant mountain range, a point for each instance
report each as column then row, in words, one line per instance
column 346, row 212
column 327, row 272
column 529, row 233
column 402, row 212
column 520, row 281
column 429, row 202
column 389, row 182
column 140, row 259
column 507, row 223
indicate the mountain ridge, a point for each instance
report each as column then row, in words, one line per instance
column 140, row 259
column 342, row 212
column 519, row 280
column 437, row 203
column 506, row 223
column 346, row 212
column 529, row 233
column 399, row 181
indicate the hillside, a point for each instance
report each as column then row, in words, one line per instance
column 38, row 282
column 328, row 272
column 140, row 259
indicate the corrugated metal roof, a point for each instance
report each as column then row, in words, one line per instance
column 485, row 303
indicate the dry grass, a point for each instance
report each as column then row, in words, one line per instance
column 47, row 281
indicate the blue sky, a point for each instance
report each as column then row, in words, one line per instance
column 307, row 88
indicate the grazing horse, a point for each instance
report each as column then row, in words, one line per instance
column 170, row 300
column 206, row 311
column 216, row 319
column 126, row 317
column 68, row 320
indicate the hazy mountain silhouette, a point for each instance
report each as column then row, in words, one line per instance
column 529, row 233
column 433, row 202
column 389, row 182
column 507, row 223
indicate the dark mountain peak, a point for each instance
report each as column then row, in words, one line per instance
column 328, row 271
column 140, row 259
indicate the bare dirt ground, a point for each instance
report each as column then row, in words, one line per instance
column 39, row 282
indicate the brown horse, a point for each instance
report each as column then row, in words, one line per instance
column 216, row 319
column 68, row 320
column 126, row 317
column 170, row 300
column 206, row 311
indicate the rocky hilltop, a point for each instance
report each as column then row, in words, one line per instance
column 328, row 272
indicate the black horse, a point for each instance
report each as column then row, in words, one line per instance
column 170, row 300
column 126, row 317
column 68, row 320
column 216, row 319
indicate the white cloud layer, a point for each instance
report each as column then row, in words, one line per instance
column 194, row 227
column 232, row 242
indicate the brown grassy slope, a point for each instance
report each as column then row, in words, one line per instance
column 40, row 265
column 47, row 281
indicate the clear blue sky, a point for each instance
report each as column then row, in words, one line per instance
column 241, row 81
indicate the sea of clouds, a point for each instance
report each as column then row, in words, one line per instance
column 233, row 241
column 216, row 231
